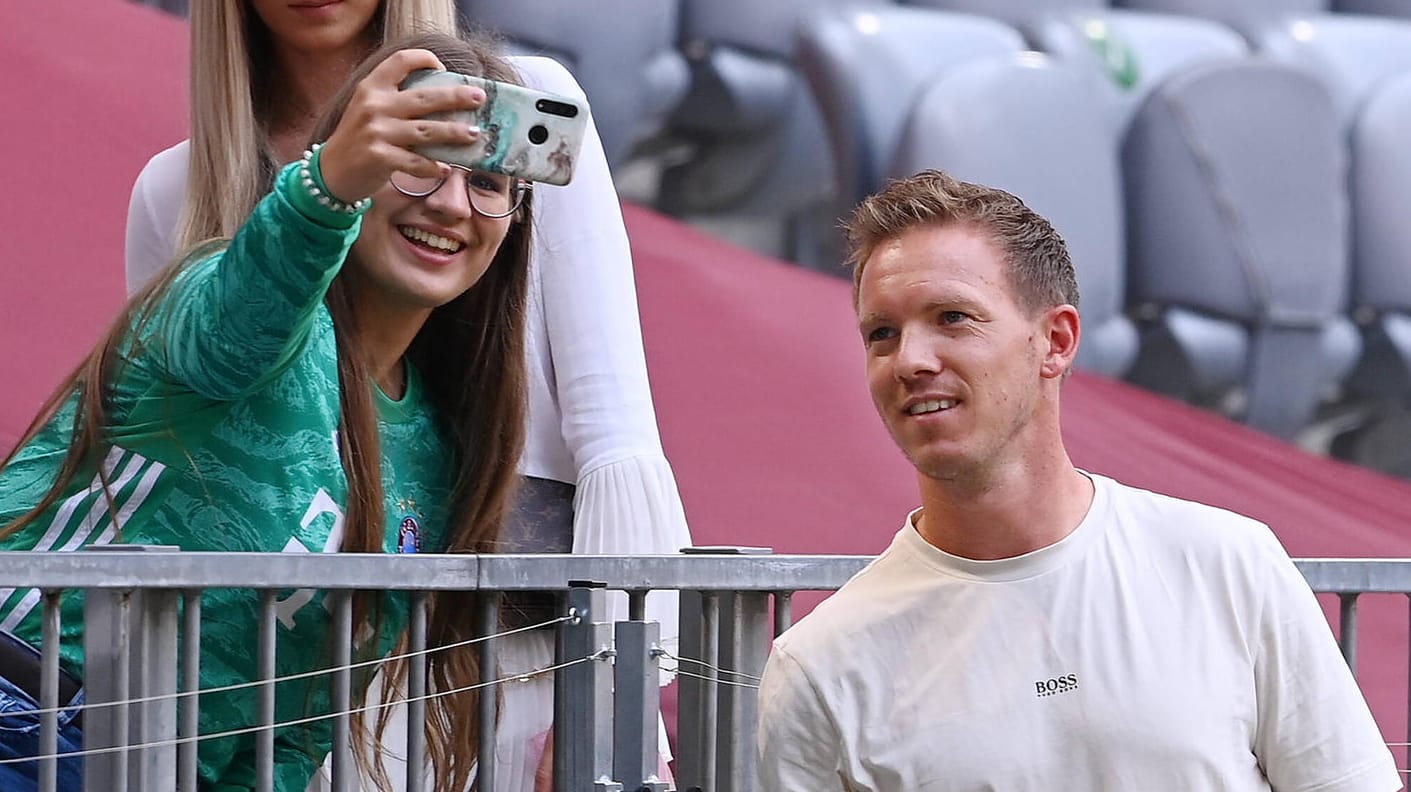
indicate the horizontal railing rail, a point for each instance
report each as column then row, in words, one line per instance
column 426, row 572
column 733, row 602
column 118, row 569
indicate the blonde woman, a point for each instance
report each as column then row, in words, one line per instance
column 595, row 478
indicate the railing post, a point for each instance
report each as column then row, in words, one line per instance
column 744, row 646
column 416, row 692
column 709, row 715
column 189, row 723
column 487, row 624
column 690, row 691
column 106, row 681
column 783, row 611
column 129, row 650
column 583, row 693
column 49, row 692
column 700, row 754
column 636, row 706
column 341, row 760
column 1347, row 629
column 155, row 675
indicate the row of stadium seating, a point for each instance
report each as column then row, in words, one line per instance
column 1229, row 174
column 1203, row 186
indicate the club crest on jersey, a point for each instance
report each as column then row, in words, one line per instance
column 409, row 536
column 409, row 530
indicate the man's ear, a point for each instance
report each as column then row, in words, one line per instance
column 1063, row 329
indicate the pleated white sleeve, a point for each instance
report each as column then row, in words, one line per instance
column 585, row 341
column 150, row 244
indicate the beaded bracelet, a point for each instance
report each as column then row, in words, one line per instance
column 312, row 180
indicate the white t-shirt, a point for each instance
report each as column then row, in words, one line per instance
column 1163, row 645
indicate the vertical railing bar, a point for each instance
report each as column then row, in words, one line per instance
column 637, row 605
column 636, row 703
column 122, row 693
column 416, row 692
column 562, row 645
column 342, row 698
column 190, row 713
column 730, row 714
column 688, row 693
column 156, row 680
column 710, row 697
column 783, row 611
column 582, row 693
column 488, row 622
column 264, row 739
column 49, row 695
column 1347, row 629
column 743, row 652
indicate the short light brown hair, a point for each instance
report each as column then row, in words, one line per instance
column 1040, row 269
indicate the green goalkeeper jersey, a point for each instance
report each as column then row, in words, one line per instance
column 223, row 422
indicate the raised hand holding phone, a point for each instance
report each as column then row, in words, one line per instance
column 383, row 125
column 524, row 133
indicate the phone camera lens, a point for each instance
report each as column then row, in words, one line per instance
column 553, row 107
column 538, row 134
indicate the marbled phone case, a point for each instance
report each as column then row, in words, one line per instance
column 525, row 133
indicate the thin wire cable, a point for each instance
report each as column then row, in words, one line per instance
column 732, row 683
column 521, row 677
column 301, row 675
column 704, row 664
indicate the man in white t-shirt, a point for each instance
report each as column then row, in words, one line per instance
column 1032, row 626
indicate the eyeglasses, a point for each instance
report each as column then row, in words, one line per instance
column 492, row 195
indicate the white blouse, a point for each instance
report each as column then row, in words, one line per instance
column 591, row 418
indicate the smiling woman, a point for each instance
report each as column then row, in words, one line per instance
column 594, row 478
column 325, row 316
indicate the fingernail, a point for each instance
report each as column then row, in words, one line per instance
column 477, row 94
column 474, row 130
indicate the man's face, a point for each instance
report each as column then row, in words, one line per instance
column 956, row 367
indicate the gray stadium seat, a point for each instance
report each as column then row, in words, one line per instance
column 1380, row 186
column 1392, row 8
column 1127, row 51
column 1040, row 131
column 1238, row 240
column 1249, row 17
column 867, row 68
column 1021, row 14
column 1130, row 52
column 759, row 144
column 623, row 53
column 1353, row 54
column 1356, row 57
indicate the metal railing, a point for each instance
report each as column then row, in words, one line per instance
column 142, row 652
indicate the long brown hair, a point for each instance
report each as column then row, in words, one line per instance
column 470, row 354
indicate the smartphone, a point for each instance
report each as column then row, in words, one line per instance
column 524, row 133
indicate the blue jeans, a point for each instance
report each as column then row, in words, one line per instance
column 19, row 738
